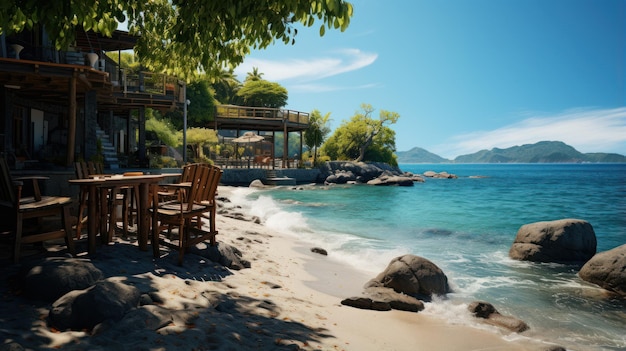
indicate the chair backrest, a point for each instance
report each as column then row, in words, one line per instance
column 95, row 167
column 204, row 179
column 8, row 196
column 81, row 169
column 213, row 180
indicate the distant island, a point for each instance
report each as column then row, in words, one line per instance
column 541, row 152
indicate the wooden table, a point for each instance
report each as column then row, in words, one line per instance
column 143, row 182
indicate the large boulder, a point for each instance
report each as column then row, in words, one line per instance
column 53, row 277
column 340, row 177
column 391, row 179
column 84, row 309
column 560, row 241
column 607, row 269
column 348, row 171
column 414, row 276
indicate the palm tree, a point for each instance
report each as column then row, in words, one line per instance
column 254, row 75
column 317, row 131
column 226, row 86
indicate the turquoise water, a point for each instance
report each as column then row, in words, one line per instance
column 466, row 227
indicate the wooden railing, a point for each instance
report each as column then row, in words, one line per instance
column 233, row 111
column 150, row 83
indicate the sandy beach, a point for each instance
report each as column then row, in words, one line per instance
column 290, row 298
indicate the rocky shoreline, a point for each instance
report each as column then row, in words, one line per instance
column 247, row 292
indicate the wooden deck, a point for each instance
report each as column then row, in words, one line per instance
column 260, row 119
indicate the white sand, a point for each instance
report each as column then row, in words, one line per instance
column 289, row 299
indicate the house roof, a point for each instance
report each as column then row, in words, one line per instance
column 91, row 41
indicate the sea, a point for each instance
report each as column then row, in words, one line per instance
column 466, row 227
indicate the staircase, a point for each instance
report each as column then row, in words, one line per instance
column 108, row 150
column 273, row 178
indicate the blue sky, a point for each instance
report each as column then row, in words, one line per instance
column 467, row 75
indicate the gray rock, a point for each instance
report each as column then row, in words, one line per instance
column 256, row 184
column 11, row 346
column 361, row 171
column 440, row 175
column 392, row 180
column 84, row 309
column 488, row 312
column 366, row 303
column 607, row 269
column 319, row 250
column 222, row 253
column 396, row 301
column 341, row 177
column 561, row 241
column 412, row 275
column 54, row 277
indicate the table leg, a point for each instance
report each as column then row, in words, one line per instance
column 155, row 222
column 143, row 220
column 92, row 220
column 104, row 214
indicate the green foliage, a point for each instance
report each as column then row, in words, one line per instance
column 159, row 161
column 179, row 37
column 261, row 93
column 364, row 138
column 127, row 60
column 293, row 145
column 201, row 110
column 317, row 131
column 254, row 75
column 197, row 139
column 540, row 152
column 225, row 87
column 163, row 129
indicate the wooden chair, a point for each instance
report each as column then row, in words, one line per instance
column 197, row 200
column 22, row 209
column 84, row 170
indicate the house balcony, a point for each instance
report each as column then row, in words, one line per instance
column 260, row 118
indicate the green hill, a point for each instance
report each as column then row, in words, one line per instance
column 541, row 152
column 419, row 155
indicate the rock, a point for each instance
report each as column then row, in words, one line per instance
column 256, row 184
column 441, row 175
column 607, row 269
column 555, row 348
column 84, row 309
column 391, row 180
column 222, row 253
column 396, row 301
column 412, row 275
column 11, row 346
column 54, row 277
column 361, row 172
column 366, row 303
column 416, row 178
column 488, row 312
column 560, row 241
column 320, row 251
column 341, row 177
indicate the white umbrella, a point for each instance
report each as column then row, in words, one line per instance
column 248, row 137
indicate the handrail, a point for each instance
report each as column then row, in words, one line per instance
column 233, row 111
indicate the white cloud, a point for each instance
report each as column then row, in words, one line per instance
column 320, row 88
column 310, row 69
column 586, row 130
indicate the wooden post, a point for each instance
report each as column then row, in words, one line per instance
column 71, row 128
column 141, row 145
column 285, row 143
